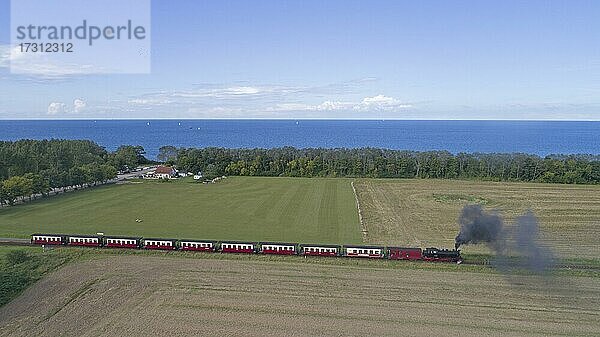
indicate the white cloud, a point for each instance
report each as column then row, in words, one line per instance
column 40, row 67
column 150, row 101
column 375, row 103
column 4, row 56
column 333, row 105
column 235, row 92
column 252, row 101
column 58, row 108
column 325, row 106
column 79, row 105
column 9, row 55
column 380, row 103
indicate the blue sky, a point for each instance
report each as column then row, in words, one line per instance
column 338, row 59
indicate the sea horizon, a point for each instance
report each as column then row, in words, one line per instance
column 299, row 119
column 471, row 136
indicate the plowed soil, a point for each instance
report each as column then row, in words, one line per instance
column 147, row 295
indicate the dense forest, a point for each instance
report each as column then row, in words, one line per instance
column 381, row 163
column 34, row 167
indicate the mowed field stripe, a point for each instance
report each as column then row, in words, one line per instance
column 237, row 208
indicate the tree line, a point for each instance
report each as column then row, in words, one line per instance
column 35, row 167
column 382, row 163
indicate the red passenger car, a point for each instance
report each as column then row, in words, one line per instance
column 278, row 248
column 84, row 240
column 161, row 244
column 320, row 250
column 195, row 245
column 400, row 253
column 47, row 239
column 122, row 242
column 238, row 247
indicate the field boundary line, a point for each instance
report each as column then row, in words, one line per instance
column 363, row 228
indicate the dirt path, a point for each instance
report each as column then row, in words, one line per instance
column 143, row 295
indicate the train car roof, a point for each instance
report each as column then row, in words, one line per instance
column 405, row 248
column 84, row 235
column 319, row 245
column 123, row 237
column 159, row 239
column 367, row 247
column 279, row 243
column 249, row 242
column 197, row 240
column 46, row 234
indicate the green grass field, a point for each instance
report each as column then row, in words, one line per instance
column 395, row 212
column 425, row 212
column 238, row 208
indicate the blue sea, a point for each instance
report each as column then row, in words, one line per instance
column 534, row 137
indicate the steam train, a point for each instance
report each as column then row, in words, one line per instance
column 243, row 247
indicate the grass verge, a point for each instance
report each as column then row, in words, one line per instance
column 20, row 267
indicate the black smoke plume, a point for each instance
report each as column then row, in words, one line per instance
column 516, row 246
column 478, row 226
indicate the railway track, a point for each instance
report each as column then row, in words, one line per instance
column 15, row 242
column 567, row 266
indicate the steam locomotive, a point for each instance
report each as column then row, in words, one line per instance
column 244, row 247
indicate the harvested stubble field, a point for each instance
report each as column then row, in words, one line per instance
column 425, row 212
column 168, row 296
